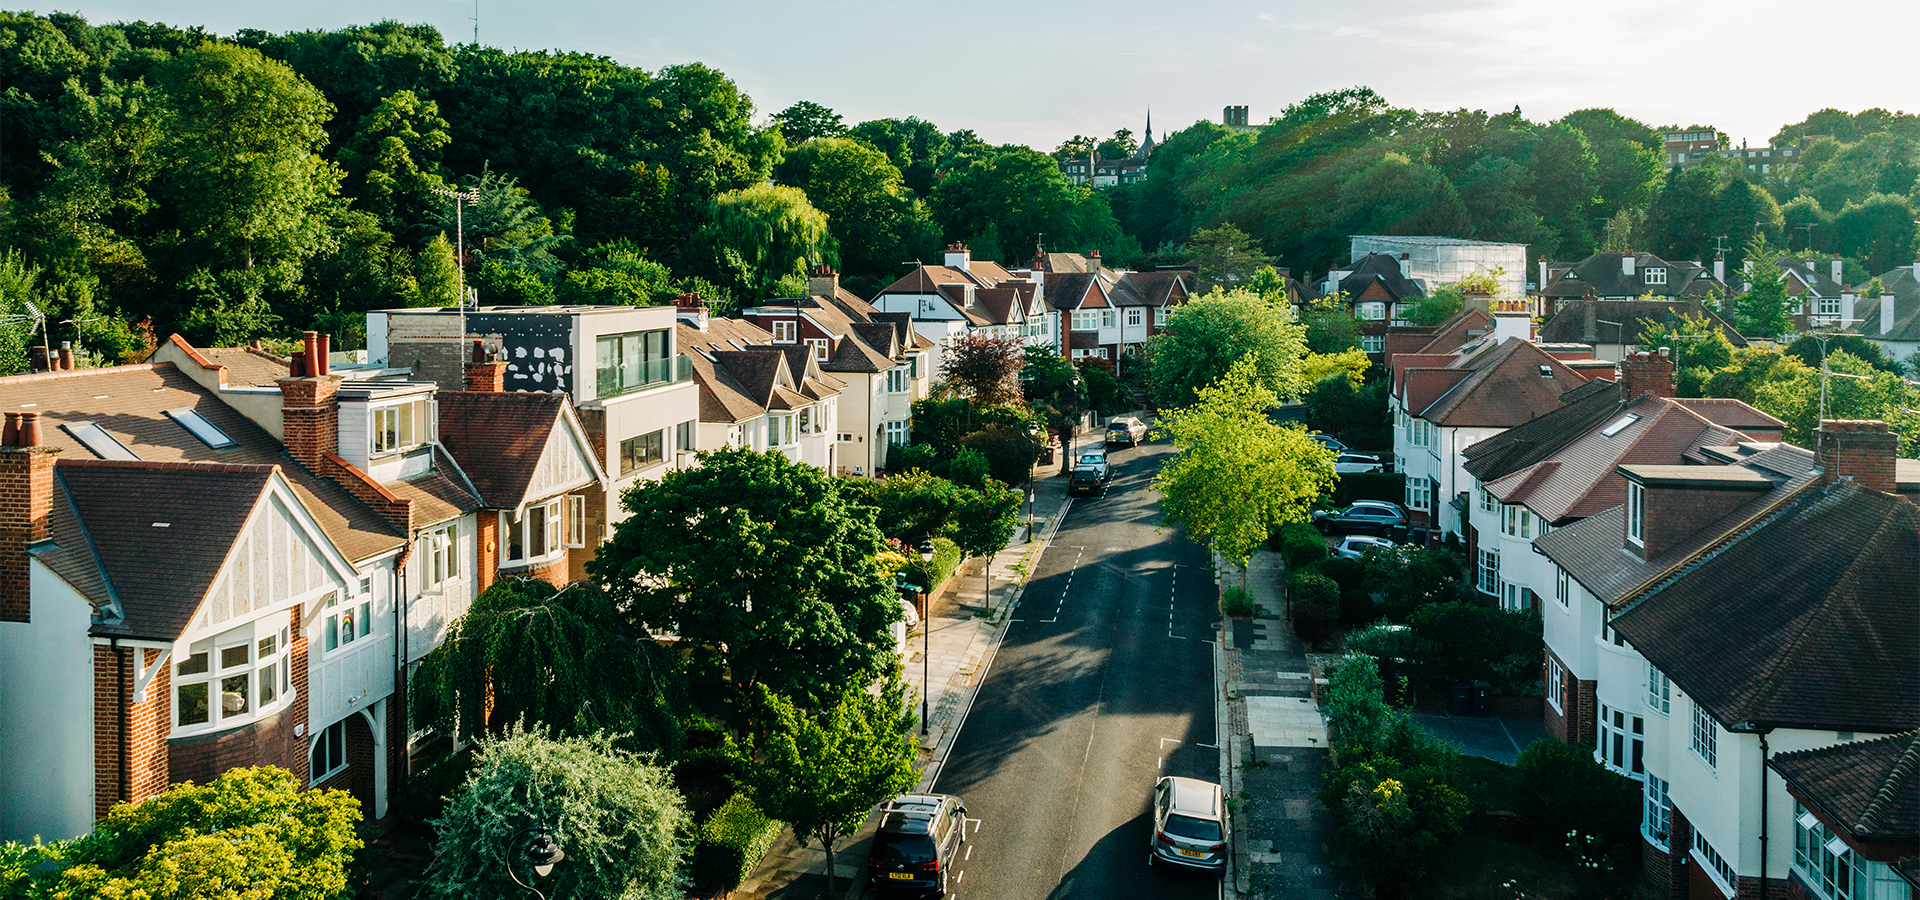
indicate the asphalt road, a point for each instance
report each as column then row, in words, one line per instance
column 1103, row 683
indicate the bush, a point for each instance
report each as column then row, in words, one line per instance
column 732, row 842
column 914, row 456
column 1310, row 623
column 1299, row 544
column 1563, row 790
column 705, row 778
column 946, row 558
column 1406, row 578
column 1315, row 589
column 1236, row 603
column 1356, row 708
column 429, row 790
column 1470, row 642
column 1369, row 486
column 1356, row 608
column 1010, row 451
column 1349, row 574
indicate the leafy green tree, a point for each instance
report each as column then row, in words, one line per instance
column 1015, row 195
column 617, row 273
column 821, row 773
column 1878, row 229
column 1009, row 449
column 565, row 659
column 1226, row 257
column 1751, row 368
column 983, row 523
column 436, row 274
column 1761, row 309
column 916, row 147
column 392, row 159
column 1077, row 147
column 360, row 67
column 1105, row 393
column 1054, row 390
column 1120, row 146
column 1856, row 390
column 1330, row 328
column 1207, row 335
column 615, row 814
column 984, row 369
column 503, row 223
column 250, row 832
column 806, row 120
column 1627, row 158
column 1810, row 349
column 1563, row 789
column 1694, row 342
column 873, row 217
column 756, row 236
column 1237, row 475
column 915, row 504
column 764, row 569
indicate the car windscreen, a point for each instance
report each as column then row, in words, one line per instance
column 895, row 850
column 1193, row 829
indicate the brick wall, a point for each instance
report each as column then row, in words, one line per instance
column 442, row 362
column 1679, row 869
column 1556, row 721
column 146, row 768
column 1655, row 863
column 554, row 573
column 486, row 541
column 1749, row 888
column 26, row 494
column 1861, row 450
column 1587, row 712
column 310, row 418
column 397, row 512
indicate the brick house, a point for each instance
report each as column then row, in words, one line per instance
column 1756, row 602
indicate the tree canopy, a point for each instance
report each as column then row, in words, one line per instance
column 1205, row 336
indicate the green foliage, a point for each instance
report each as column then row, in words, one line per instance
column 1356, row 706
column 764, row 567
column 1761, row 310
column 1471, row 642
column 1355, row 415
column 1237, row 476
column 1227, row 258
column 1331, row 328
column 1052, row 386
column 985, row 370
column 528, row 653
column 251, row 832
column 1012, row 195
column 1208, row 335
column 758, row 235
column 1407, row 578
column 915, row 503
column 732, row 841
column 1313, row 588
column 822, row 772
column 1869, row 393
column 806, row 120
column 1105, row 393
column 1810, row 350
column 615, row 814
column 947, row 557
column 1236, row 603
column 875, row 219
column 437, row 275
column 1562, row 789
column 1694, row 342
column 617, row 274
column 1008, row 450
column 1751, row 368
column 1300, row 544
column 985, row 520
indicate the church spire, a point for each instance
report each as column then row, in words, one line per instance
column 1146, row 143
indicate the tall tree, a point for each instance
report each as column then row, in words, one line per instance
column 1761, row 309
column 1207, row 335
column 616, row 816
column 762, row 567
column 1238, row 476
column 1226, row 257
column 874, row 219
column 807, row 120
column 823, row 772
column 985, row 369
column 756, row 236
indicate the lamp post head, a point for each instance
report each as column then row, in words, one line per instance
column 543, row 853
column 926, row 549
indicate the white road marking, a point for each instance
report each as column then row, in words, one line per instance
column 958, row 877
column 969, row 852
column 1163, row 742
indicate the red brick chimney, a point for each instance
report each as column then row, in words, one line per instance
column 484, row 373
column 26, row 496
column 310, row 407
column 1646, row 373
column 1860, row 450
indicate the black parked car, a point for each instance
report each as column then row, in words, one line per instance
column 1375, row 517
column 914, row 850
column 1087, row 480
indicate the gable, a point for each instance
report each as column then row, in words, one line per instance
column 566, row 462
column 280, row 557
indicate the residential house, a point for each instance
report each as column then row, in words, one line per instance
column 1856, row 815
column 1753, row 618
column 1443, row 403
column 943, row 301
column 1621, row 275
column 1377, row 292
column 881, row 362
column 1145, row 300
column 1613, row 327
column 756, row 394
column 1089, row 317
column 640, row 393
column 1558, row 469
column 1762, row 159
column 1105, row 173
column 1892, row 321
column 1687, row 148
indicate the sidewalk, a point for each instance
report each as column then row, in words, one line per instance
column 954, row 647
column 1277, row 754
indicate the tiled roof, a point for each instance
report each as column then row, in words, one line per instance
column 1581, row 410
column 247, row 366
column 130, row 403
column 498, row 438
column 1602, row 274
column 1591, row 549
column 925, row 279
column 1870, row 788
column 1465, row 327
column 71, row 556
column 1810, row 614
column 1734, row 414
column 439, row 495
column 1621, row 321
column 1149, row 289
column 1815, row 273
column 1509, row 383
column 1906, row 308
column 160, row 574
column 1067, row 290
column 1383, row 270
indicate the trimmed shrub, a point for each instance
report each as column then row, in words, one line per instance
column 732, row 842
column 1472, row 642
column 1315, row 589
column 1356, row 708
column 1236, row 603
column 1564, row 792
column 1300, row 544
column 946, row 558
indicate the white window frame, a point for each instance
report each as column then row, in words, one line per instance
column 1831, row 869
column 1109, row 318
column 1487, row 503
column 1373, row 343
column 1160, row 314
column 343, row 623
column 1562, row 587
column 576, row 521
column 1654, row 275
column 1513, row 596
column 898, row 434
column 1706, row 739
column 1716, row 867
column 1489, row 572
column 819, row 347
column 399, row 427
column 784, row 330
column 271, row 670
column 1829, row 307
column 1556, row 684
column 1621, row 741
column 551, row 531
column 1516, row 521
column 1659, row 691
column 1086, row 320
column 898, row 380
column 440, row 557
column 1636, row 514
column 333, row 739
column 1370, row 311
column 1136, row 317
column 1656, row 818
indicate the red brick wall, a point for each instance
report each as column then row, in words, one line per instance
column 1655, row 863
column 1674, row 513
column 1587, row 712
column 357, row 777
column 1556, row 721
column 486, row 542
column 266, row 742
column 26, row 494
column 310, row 417
column 1861, row 450
column 554, row 573
column 147, row 769
column 1680, row 839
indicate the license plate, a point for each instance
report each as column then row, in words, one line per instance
column 1193, row 853
column 900, row 876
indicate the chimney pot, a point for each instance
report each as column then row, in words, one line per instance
column 254, row 344
column 66, row 356
column 324, row 352
column 29, row 429
column 479, row 350
column 10, row 437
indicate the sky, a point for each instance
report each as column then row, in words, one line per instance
column 1040, row 72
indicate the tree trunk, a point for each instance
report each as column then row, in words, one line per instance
column 827, row 839
column 986, row 581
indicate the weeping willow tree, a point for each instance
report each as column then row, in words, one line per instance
column 757, row 236
column 528, row 653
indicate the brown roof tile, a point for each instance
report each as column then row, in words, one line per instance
column 1870, row 788
column 498, row 438
column 1508, row 385
column 247, row 366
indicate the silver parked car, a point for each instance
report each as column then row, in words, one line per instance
column 1355, row 546
column 1189, row 825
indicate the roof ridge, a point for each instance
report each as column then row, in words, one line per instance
column 166, row 465
column 1661, row 580
column 76, row 373
column 1904, row 770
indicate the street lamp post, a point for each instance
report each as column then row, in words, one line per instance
column 540, row 857
column 926, row 629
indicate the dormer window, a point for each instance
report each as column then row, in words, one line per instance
column 1636, row 514
column 1654, row 275
column 1546, row 371
column 541, row 531
column 819, row 347
column 402, row 426
column 785, row 331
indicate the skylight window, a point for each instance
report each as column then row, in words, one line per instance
column 201, row 428
column 1619, row 425
column 99, row 441
column 1546, row 371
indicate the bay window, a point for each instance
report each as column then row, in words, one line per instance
column 1659, row 691
column 1135, row 316
column 535, row 532
column 898, row 379
column 1109, row 318
column 1826, row 864
column 1656, row 822
column 1086, row 319
column 233, row 678
column 1489, row 571
column 1622, row 743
